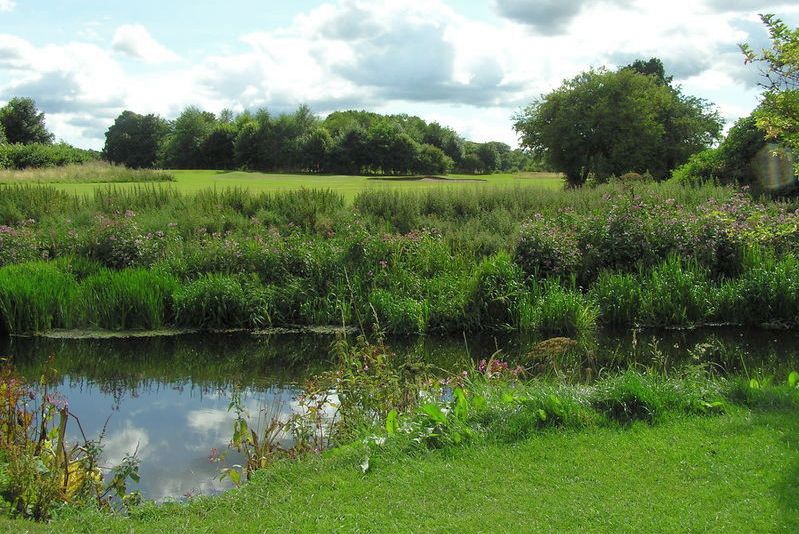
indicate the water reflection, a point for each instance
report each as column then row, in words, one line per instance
column 168, row 398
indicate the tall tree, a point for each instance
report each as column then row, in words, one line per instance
column 24, row 123
column 183, row 149
column 611, row 122
column 135, row 140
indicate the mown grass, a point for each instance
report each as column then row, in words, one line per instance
column 730, row 473
column 349, row 186
column 93, row 172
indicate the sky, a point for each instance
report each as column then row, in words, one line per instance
column 466, row 64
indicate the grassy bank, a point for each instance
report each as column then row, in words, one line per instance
column 552, row 263
column 401, row 434
column 697, row 474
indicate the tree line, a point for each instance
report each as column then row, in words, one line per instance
column 344, row 142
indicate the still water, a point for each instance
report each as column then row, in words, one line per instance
column 167, row 398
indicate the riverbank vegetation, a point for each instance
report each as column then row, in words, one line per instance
column 552, row 263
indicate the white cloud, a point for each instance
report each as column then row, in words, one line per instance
column 7, row 5
column 127, row 440
column 135, row 41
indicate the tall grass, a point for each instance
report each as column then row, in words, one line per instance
column 766, row 292
column 88, row 172
column 558, row 311
column 35, row 297
column 219, row 302
column 675, row 293
column 618, row 297
column 125, row 300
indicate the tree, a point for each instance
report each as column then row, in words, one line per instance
column 350, row 153
column 217, row 149
column 654, row 67
column 730, row 162
column 183, row 149
column 23, row 123
column 431, row 160
column 135, row 140
column 778, row 113
column 3, row 138
column 603, row 123
column 316, row 146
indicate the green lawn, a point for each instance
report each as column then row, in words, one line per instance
column 732, row 473
column 349, row 186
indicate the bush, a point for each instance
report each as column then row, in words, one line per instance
column 18, row 245
column 545, row 249
column 18, row 156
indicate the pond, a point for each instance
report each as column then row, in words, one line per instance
column 168, row 397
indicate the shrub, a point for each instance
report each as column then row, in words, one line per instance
column 18, row 245
column 118, row 242
column 18, row 156
column 704, row 166
column 545, row 249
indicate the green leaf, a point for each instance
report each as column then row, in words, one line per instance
column 542, row 415
column 392, row 422
column 434, row 413
column 461, row 404
column 793, row 379
column 754, row 384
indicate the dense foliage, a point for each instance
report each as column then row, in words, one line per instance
column 22, row 123
column 134, row 140
column 777, row 114
column 345, row 142
column 603, row 123
column 443, row 260
column 40, row 155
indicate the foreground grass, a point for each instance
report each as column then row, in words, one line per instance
column 737, row 472
column 349, row 186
